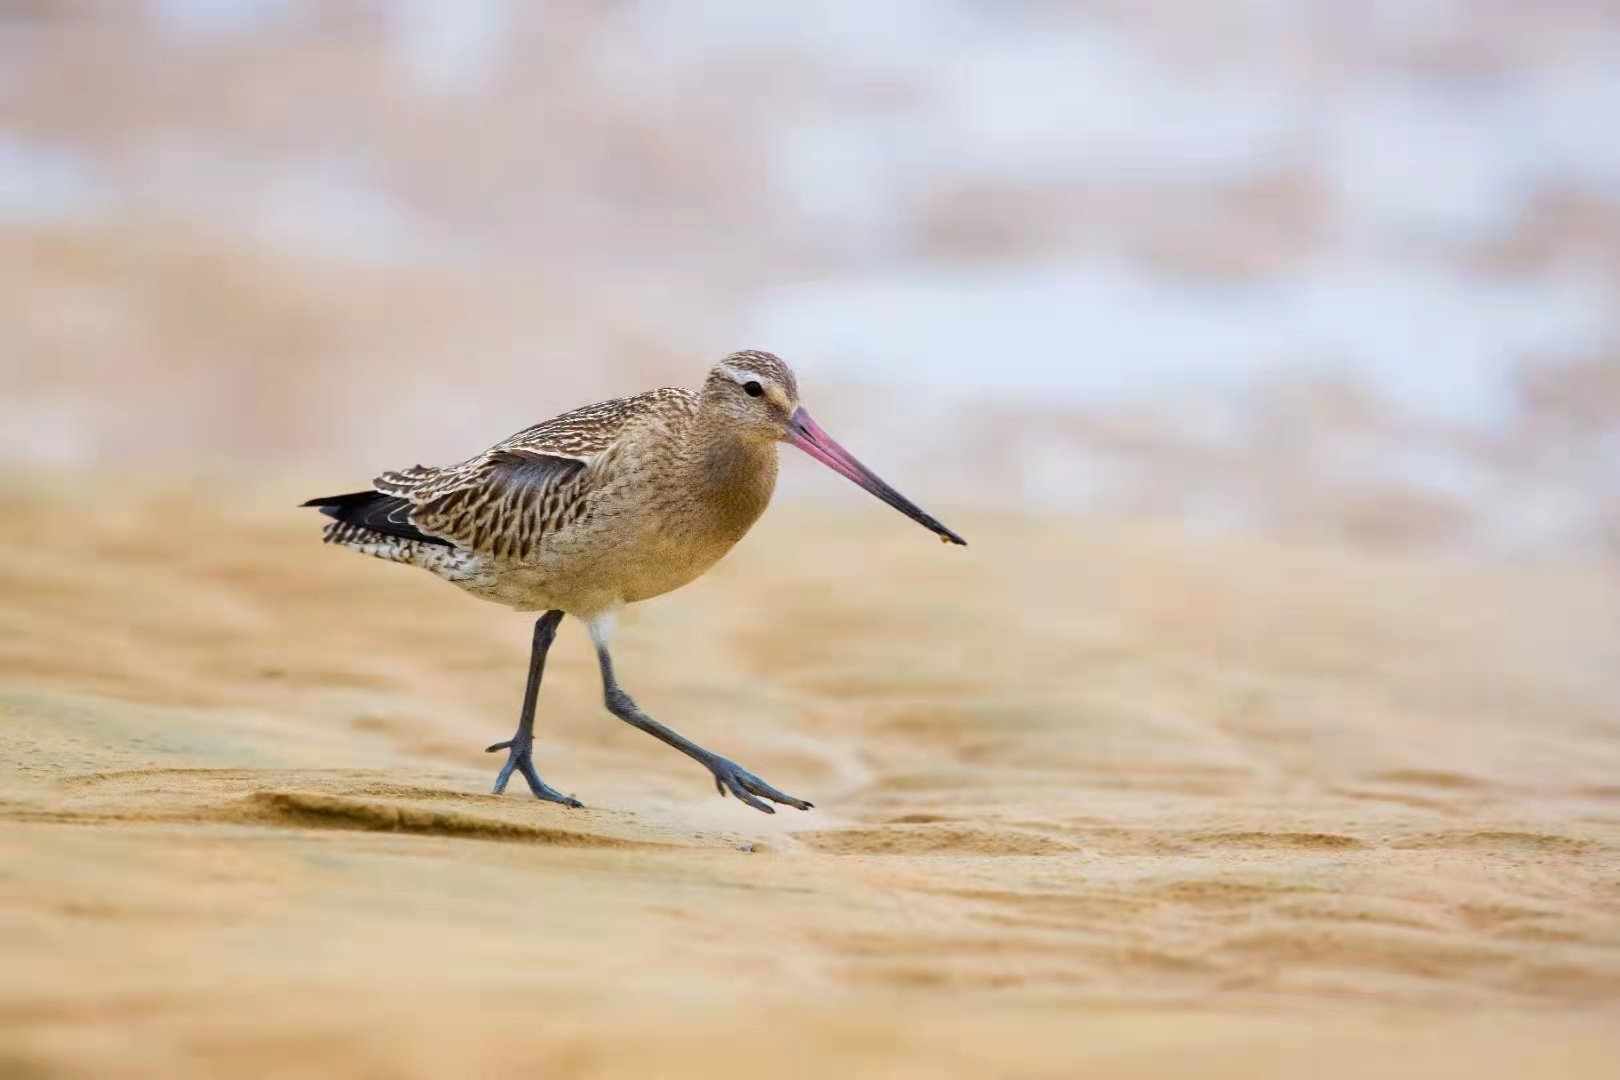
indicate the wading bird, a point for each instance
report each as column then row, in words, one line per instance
column 602, row 507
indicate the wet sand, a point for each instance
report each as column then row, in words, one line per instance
column 1090, row 800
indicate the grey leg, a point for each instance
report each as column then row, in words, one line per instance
column 728, row 775
column 520, row 746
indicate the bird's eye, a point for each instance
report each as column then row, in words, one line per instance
column 752, row 388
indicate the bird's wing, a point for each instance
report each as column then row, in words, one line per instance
column 507, row 499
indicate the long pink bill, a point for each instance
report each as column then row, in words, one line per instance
column 808, row 436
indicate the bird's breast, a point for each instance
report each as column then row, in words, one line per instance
column 687, row 526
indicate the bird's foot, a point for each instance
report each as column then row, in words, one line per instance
column 520, row 756
column 733, row 778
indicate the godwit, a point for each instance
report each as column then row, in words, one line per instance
column 602, row 507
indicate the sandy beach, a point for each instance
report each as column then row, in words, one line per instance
column 1091, row 799
column 1273, row 731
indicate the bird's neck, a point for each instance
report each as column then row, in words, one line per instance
column 733, row 474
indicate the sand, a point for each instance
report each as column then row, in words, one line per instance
column 1091, row 800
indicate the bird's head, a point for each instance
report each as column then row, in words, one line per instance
column 756, row 391
column 760, row 395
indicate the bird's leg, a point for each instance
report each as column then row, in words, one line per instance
column 520, row 747
column 728, row 775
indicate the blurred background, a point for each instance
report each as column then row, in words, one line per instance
column 1329, row 269
column 1175, row 771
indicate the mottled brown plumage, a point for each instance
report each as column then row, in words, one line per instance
column 600, row 507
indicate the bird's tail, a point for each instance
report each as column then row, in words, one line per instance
column 388, row 515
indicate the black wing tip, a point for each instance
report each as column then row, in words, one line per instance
column 341, row 507
column 333, row 502
column 385, row 514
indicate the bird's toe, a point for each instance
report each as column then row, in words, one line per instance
column 729, row 777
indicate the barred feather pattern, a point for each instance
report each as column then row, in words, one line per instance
column 504, row 502
column 452, row 564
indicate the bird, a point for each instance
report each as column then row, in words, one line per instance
column 602, row 507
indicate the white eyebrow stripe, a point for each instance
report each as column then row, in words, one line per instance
column 739, row 375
